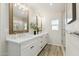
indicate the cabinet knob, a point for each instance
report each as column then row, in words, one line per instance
column 32, row 47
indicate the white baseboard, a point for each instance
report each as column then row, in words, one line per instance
column 55, row 44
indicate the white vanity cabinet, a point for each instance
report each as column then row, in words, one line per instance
column 30, row 47
column 72, row 45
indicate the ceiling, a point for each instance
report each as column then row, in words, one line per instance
column 46, row 7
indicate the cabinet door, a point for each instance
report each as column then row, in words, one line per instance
column 74, row 44
column 72, row 48
column 26, row 50
column 45, row 38
column 30, row 49
column 43, row 41
column 67, row 44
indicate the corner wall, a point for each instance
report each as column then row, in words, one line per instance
column 3, row 27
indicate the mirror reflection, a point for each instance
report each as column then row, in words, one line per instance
column 19, row 17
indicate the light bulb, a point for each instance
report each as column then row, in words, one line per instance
column 15, row 4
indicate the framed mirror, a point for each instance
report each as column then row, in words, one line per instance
column 18, row 18
column 71, row 13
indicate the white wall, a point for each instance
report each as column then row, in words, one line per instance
column 3, row 27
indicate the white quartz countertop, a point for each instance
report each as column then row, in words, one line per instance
column 23, row 38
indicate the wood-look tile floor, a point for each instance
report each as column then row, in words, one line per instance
column 51, row 50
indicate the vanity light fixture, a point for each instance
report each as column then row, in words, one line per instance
column 15, row 4
column 20, row 6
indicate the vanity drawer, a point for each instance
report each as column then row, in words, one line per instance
column 26, row 50
column 73, row 50
column 28, row 42
column 30, row 49
column 43, row 42
column 72, row 42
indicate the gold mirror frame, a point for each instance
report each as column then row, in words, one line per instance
column 11, row 21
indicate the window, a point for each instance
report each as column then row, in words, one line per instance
column 55, row 24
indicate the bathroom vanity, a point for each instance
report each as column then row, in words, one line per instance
column 27, row 45
column 72, row 44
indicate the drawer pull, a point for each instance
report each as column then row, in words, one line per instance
column 32, row 47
